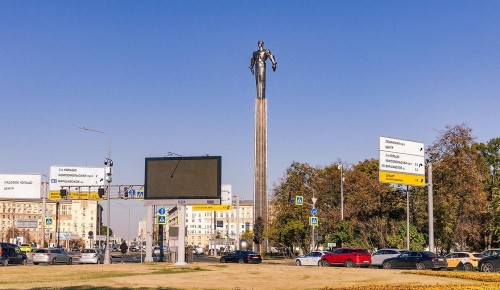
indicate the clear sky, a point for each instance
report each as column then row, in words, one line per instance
column 161, row 76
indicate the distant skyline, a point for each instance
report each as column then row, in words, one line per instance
column 162, row 76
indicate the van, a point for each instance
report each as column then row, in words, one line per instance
column 12, row 254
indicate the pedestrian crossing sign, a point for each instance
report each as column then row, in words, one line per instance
column 162, row 219
column 48, row 222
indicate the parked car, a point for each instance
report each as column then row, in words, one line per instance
column 380, row 255
column 463, row 260
column 416, row 260
column 133, row 249
column 241, row 257
column 491, row 252
column 311, row 259
column 12, row 254
column 75, row 249
column 349, row 257
column 92, row 256
column 52, row 256
column 26, row 248
column 489, row 263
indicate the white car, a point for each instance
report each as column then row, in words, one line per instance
column 311, row 259
column 379, row 256
column 51, row 256
column 92, row 256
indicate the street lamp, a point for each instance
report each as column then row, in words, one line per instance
column 109, row 163
column 341, row 192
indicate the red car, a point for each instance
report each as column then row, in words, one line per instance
column 349, row 257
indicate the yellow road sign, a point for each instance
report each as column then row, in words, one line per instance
column 402, row 178
column 212, row 207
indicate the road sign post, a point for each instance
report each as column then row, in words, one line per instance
column 402, row 162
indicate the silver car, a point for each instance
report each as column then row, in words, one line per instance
column 51, row 256
column 91, row 256
column 379, row 256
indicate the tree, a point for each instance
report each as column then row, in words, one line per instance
column 491, row 155
column 104, row 230
column 460, row 200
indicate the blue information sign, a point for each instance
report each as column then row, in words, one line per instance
column 161, row 211
column 314, row 211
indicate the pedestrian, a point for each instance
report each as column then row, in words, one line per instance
column 123, row 250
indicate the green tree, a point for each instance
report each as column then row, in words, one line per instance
column 104, row 229
column 491, row 155
column 459, row 197
column 398, row 238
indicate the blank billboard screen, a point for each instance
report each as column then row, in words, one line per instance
column 183, row 178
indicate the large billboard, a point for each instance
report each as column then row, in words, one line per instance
column 21, row 186
column 183, row 180
column 80, row 182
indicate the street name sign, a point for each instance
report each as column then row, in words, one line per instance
column 401, row 162
column 402, row 178
column 213, row 207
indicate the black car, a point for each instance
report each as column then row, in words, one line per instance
column 489, row 264
column 241, row 257
column 11, row 254
column 420, row 260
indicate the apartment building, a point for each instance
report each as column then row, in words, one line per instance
column 71, row 219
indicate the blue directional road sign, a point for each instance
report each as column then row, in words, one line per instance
column 131, row 193
column 299, row 200
column 313, row 221
column 161, row 211
column 314, row 211
column 162, row 219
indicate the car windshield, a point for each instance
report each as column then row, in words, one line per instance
column 361, row 251
column 41, row 251
column 88, row 251
column 429, row 254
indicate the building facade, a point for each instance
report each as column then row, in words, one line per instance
column 71, row 219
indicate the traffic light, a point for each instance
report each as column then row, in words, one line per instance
column 289, row 197
column 125, row 192
column 63, row 193
column 100, row 192
column 256, row 240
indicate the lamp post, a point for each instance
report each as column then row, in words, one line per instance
column 109, row 163
column 128, row 233
column 341, row 192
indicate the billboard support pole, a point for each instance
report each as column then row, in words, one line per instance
column 44, row 209
column 181, row 248
column 149, row 230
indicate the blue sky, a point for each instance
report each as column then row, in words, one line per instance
column 161, row 76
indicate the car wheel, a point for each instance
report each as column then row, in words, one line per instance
column 35, row 263
column 222, row 260
column 468, row 267
column 24, row 262
column 297, row 263
column 98, row 261
column 241, row 261
column 320, row 264
column 420, row 266
column 54, row 261
column 5, row 262
column 325, row 263
column 349, row 264
column 70, row 261
column 387, row 265
column 487, row 267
